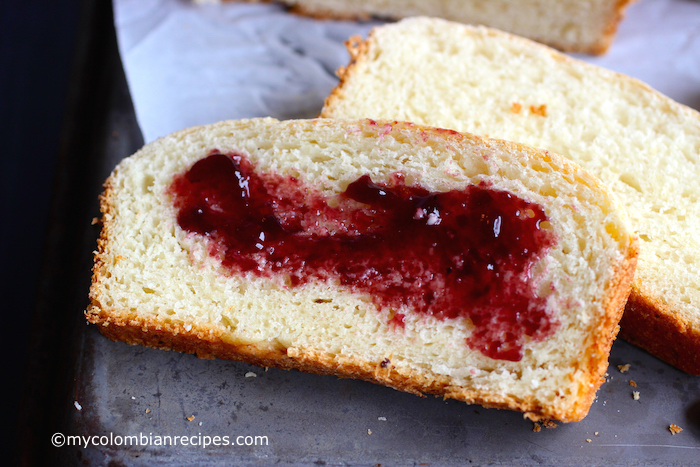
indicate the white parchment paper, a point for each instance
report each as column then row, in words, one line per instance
column 189, row 65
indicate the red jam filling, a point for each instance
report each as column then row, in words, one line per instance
column 462, row 253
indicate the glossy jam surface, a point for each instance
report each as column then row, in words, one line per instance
column 463, row 253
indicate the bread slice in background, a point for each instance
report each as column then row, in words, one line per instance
column 643, row 145
column 156, row 284
column 586, row 26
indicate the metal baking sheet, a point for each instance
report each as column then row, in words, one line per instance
column 304, row 419
column 133, row 406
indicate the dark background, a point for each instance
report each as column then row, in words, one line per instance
column 38, row 48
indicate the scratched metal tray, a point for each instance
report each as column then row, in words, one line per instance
column 137, row 406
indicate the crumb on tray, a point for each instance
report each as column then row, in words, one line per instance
column 674, row 429
column 544, row 423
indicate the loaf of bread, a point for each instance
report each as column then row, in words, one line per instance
column 423, row 259
column 641, row 144
column 586, row 26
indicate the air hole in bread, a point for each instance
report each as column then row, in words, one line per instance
column 147, row 183
column 582, row 244
column 631, row 180
column 540, row 166
column 228, row 323
column 545, row 225
column 612, row 230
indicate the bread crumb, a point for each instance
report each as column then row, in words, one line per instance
column 200, row 423
column 623, row 368
column 544, row 423
column 549, row 424
column 190, row 418
column 95, row 220
column 674, row 429
column 633, row 384
column 148, row 410
column 77, row 406
column 381, row 419
column 369, row 432
column 596, row 433
column 250, row 374
column 539, row 110
column 635, row 395
column 516, row 108
column 589, row 440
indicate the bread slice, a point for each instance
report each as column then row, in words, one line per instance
column 361, row 309
column 586, row 26
column 643, row 145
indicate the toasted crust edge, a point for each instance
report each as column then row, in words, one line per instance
column 654, row 327
column 207, row 343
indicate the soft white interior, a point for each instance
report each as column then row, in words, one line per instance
column 644, row 146
column 157, row 271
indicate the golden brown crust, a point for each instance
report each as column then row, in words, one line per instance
column 597, row 361
column 651, row 325
column 357, row 48
column 328, row 14
column 316, row 13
